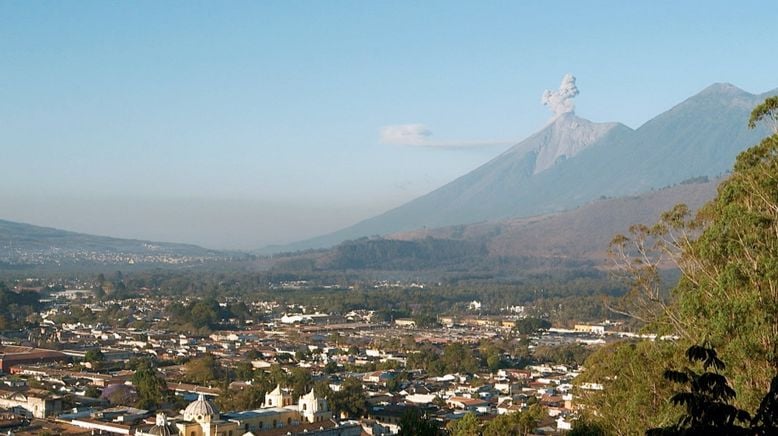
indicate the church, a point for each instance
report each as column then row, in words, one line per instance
column 202, row 417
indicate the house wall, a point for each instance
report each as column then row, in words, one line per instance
column 266, row 421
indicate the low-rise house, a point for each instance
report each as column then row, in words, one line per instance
column 11, row 355
column 37, row 402
column 470, row 404
column 405, row 322
column 378, row 377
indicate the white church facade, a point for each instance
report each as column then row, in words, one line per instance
column 202, row 417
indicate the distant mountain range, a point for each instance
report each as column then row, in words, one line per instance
column 25, row 245
column 573, row 161
column 583, row 233
column 571, row 239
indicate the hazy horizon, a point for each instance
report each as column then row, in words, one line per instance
column 246, row 124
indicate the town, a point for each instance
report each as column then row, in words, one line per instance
column 158, row 364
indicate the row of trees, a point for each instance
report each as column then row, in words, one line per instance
column 450, row 296
column 518, row 424
column 415, row 423
column 16, row 308
column 491, row 355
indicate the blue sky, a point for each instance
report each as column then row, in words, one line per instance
column 238, row 124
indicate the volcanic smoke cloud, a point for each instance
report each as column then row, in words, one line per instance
column 561, row 101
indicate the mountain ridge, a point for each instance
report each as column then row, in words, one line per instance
column 27, row 244
column 583, row 232
column 572, row 239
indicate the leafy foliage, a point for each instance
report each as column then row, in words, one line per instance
column 350, row 399
column 531, row 325
column 468, row 425
column 455, row 358
column 390, row 254
column 585, row 426
column 765, row 420
column 15, row 307
column 414, row 423
column 706, row 400
column 726, row 297
column 247, row 398
column 516, row 424
column 767, row 112
column 569, row 354
column 204, row 371
column 633, row 394
column 94, row 356
column 729, row 290
column 150, row 386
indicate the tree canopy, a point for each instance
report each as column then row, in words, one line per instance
column 727, row 294
column 150, row 386
column 766, row 112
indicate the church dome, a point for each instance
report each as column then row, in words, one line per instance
column 200, row 410
column 162, row 428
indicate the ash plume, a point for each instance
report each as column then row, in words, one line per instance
column 561, row 101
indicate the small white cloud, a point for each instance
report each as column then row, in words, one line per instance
column 405, row 134
column 418, row 135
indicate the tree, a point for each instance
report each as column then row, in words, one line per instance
column 494, row 361
column 301, row 381
column 99, row 293
column 707, row 399
column 492, row 354
column 458, row 358
column 120, row 395
column 322, row 390
column 516, row 424
column 527, row 326
column 302, row 355
column 204, row 370
column 426, row 320
column 350, row 399
column 247, row 398
column 727, row 294
column 623, row 383
column 414, row 423
column 584, row 426
column 94, row 356
column 530, row 418
column 468, row 425
column 150, row 386
column 331, row 367
column 92, row 392
column 767, row 111
column 569, row 354
column 204, row 313
column 244, row 371
column 408, row 343
column 765, row 420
